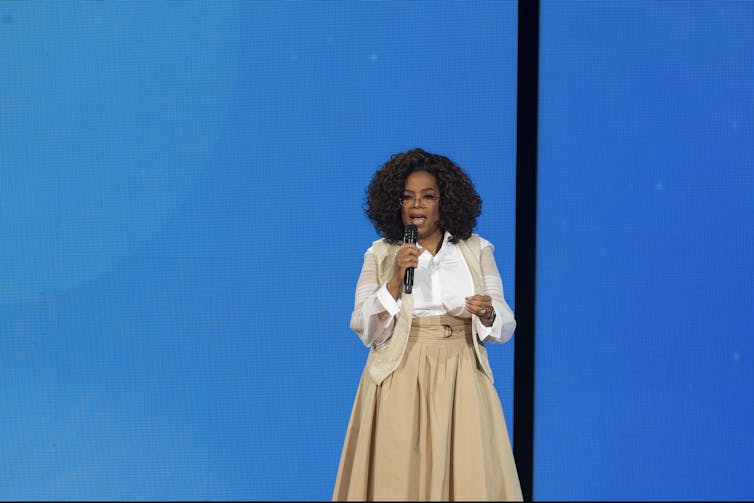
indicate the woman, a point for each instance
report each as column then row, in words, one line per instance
column 427, row 423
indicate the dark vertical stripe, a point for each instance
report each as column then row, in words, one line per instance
column 526, row 241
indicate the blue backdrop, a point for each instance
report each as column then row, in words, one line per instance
column 645, row 306
column 181, row 189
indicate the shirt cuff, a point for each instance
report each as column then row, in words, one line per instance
column 481, row 331
column 494, row 331
column 391, row 305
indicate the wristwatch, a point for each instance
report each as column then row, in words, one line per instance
column 492, row 316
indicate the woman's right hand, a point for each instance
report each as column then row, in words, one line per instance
column 407, row 256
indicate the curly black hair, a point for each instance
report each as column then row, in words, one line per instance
column 460, row 204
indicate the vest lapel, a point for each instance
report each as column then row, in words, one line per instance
column 471, row 249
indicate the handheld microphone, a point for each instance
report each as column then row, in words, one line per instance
column 410, row 234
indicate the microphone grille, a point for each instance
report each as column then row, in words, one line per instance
column 410, row 234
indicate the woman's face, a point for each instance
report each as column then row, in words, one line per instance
column 420, row 204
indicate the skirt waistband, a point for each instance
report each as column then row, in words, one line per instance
column 440, row 327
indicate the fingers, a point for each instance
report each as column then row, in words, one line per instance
column 480, row 305
column 411, row 249
column 408, row 256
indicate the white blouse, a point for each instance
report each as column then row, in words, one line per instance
column 441, row 284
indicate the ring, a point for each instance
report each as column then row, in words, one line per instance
column 483, row 312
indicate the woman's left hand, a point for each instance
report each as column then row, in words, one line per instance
column 481, row 305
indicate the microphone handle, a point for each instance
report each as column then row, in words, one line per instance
column 408, row 282
column 410, row 236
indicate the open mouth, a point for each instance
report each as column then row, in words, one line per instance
column 417, row 220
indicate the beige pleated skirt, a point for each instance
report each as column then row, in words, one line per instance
column 433, row 430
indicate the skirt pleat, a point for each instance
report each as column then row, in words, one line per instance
column 432, row 430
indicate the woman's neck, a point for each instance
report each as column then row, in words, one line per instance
column 433, row 242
